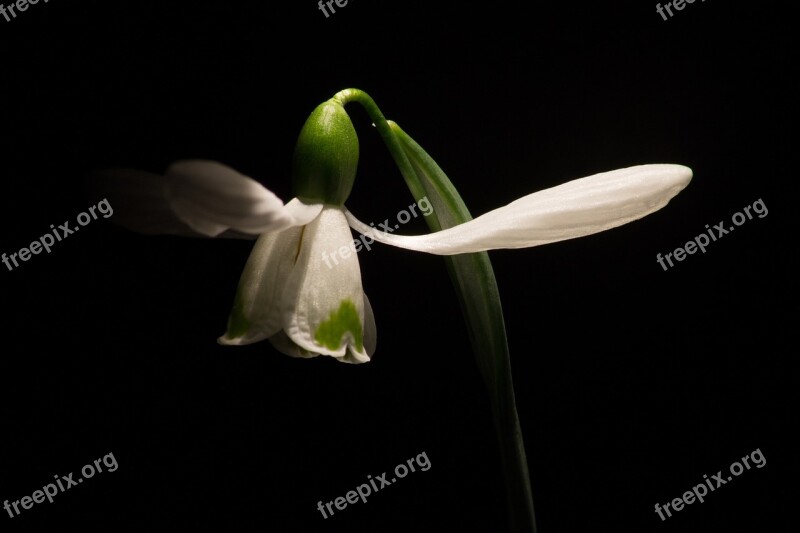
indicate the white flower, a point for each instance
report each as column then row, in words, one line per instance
column 305, row 308
column 289, row 295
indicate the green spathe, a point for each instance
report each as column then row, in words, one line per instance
column 326, row 156
column 343, row 320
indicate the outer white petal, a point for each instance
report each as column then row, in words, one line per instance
column 300, row 213
column 323, row 303
column 256, row 313
column 370, row 330
column 212, row 198
column 198, row 199
column 574, row 209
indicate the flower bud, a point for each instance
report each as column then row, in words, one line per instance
column 326, row 156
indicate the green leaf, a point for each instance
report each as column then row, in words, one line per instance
column 475, row 284
column 476, row 287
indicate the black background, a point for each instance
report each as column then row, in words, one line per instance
column 631, row 382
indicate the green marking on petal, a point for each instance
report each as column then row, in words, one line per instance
column 238, row 324
column 329, row 333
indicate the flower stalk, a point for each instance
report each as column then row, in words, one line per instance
column 476, row 287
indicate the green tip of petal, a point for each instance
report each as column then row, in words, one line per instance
column 238, row 324
column 330, row 332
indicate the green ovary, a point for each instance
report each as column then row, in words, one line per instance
column 345, row 319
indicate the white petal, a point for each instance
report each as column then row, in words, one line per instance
column 256, row 311
column 197, row 199
column 212, row 198
column 300, row 213
column 281, row 342
column 370, row 330
column 574, row 209
column 323, row 304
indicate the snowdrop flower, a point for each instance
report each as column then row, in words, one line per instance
column 288, row 295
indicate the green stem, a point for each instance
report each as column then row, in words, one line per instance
column 476, row 287
column 385, row 131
